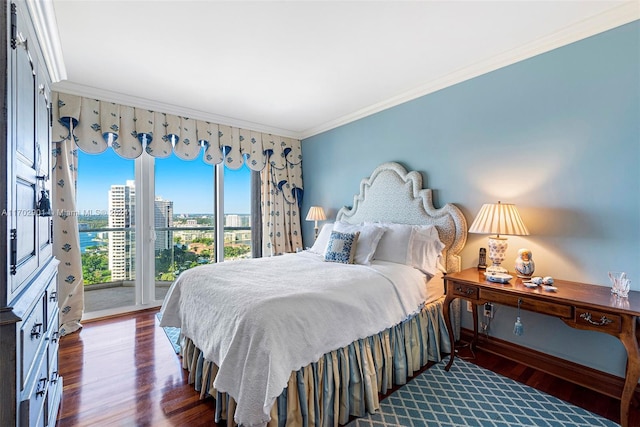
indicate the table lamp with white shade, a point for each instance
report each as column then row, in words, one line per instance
column 316, row 213
column 498, row 219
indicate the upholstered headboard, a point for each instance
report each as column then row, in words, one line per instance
column 391, row 194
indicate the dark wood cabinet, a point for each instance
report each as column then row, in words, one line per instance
column 32, row 388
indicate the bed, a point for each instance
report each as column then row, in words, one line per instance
column 296, row 340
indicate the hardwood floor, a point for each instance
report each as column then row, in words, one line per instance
column 122, row 371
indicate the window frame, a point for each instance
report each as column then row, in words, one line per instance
column 145, row 282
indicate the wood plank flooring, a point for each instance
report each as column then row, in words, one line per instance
column 122, row 371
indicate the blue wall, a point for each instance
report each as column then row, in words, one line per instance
column 557, row 134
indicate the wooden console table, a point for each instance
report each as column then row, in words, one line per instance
column 579, row 305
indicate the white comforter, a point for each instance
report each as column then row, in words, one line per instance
column 258, row 320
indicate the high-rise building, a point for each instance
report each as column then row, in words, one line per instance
column 122, row 202
column 163, row 219
column 232, row 220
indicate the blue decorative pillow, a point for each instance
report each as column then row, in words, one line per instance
column 341, row 247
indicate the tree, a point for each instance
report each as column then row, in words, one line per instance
column 95, row 268
column 204, row 240
column 173, row 261
column 231, row 252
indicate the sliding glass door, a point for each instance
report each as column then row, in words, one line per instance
column 144, row 222
column 184, row 220
column 237, row 213
column 106, row 200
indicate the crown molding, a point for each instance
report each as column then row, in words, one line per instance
column 44, row 21
column 46, row 27
column 46, row 30
column 615, row 17
column 147, row 104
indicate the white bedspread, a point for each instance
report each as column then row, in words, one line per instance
column 258, row 320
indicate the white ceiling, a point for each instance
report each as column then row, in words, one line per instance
column 301, row 67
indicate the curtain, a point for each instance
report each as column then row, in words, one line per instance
column 94, row 126
column 66, row 241
column 130, row 131
column 281, row 201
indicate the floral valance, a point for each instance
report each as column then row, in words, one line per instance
column 98, row 125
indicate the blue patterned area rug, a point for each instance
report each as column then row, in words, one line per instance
column 173, row 334
column 469, row 395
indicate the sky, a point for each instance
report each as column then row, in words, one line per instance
column 189, row 184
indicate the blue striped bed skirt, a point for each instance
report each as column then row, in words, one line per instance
column 344, row 382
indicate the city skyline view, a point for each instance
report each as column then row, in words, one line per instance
column 181, row 241
column 183, row 225
column 189, row 184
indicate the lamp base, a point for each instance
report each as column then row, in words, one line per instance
column 497, row 269
column 497, row 248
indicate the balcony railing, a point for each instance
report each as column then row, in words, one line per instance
column 176, row 249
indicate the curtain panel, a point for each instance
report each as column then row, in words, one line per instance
column 94, row 126
column 281, row 228
column 66, row 240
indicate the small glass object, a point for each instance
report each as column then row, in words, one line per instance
column 623, row 290
column 616, row 301
column 617, row 279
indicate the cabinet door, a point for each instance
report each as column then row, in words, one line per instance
column 24, row 222
column 43, row 165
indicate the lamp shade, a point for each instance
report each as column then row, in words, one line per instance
column 316, row 213
column 499, row 218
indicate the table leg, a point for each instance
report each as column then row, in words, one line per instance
column 447, row 321
column 630, row 342
column 474, row 311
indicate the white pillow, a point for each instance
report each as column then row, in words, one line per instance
column 394, row 243
column 367, row 241
column 320, row 245
column 425, row 249
column 416, row 245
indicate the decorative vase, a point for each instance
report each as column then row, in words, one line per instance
column 524, row 263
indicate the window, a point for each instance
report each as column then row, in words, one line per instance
column 106, row 202
column 143, row 222
column 183, row 218
column 237, row 213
